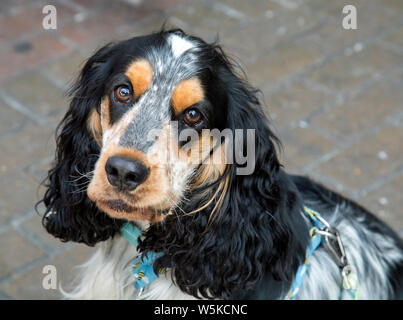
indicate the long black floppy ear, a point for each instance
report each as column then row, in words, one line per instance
column 258, row 234
column 263, row 204
column 70, row 215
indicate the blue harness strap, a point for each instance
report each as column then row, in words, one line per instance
column 313, row 245
column 142, row 267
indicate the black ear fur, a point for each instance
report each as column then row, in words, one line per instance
column 259, row 233
column 267, row 198
column 70, row 215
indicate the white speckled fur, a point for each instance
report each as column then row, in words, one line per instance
column 179, row 45
column 107, row 275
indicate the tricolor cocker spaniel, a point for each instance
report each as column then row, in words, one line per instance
column 165, row 160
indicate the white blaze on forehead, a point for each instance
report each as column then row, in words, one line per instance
column 179, row 45
column 113, row 134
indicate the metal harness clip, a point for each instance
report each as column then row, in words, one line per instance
column 333, row 243
column 335, row 246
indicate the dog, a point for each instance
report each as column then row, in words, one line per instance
column 170, row 227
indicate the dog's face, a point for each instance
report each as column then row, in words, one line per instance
column 156, row 88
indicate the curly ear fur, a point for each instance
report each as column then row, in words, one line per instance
column 70, row 215
column 259, row 230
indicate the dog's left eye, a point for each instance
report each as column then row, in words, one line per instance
column 193, row 117
column 123, row 94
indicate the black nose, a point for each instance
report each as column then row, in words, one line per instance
column 125, row 173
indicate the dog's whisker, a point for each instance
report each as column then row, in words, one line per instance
column 78, row 190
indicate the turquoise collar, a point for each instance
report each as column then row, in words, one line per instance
column 131, row 233
column 142, row 267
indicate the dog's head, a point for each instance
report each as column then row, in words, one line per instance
column 159, row 92
column 145, row 130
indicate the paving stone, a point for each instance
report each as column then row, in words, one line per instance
column 10, row 120
column 39, row 168
column 33, row 227
column 396, row 37
column 147, row 26
column 92, row 4
column 66, row 69
column 90, row 30
column 302, row 146
column 347, row 73
column 206, row 20
column 30, row 18
column 373, row 20
column 259, row 9
column 290, row 105
column 142, row 27
column 21, row 149
column 284, row 61
column 102, row 27
column 334, row 9
column 18, row 195
column 267, row 32
column 166, row 4
column 29, row 285
column 395, row 5
column 13, row 6
column 22, row 252
column 124, row 12
column 42, row 48
column 386, row 202
column 37, row 93
column 355, row 117
column 366, row 161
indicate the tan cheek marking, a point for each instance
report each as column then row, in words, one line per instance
column 186, row 94
column 140, row 74
column 105, row 120
column 207, row 174
column 210, row 171
column 94, row 126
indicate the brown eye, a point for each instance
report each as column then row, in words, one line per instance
column 123, row 94
column 193, row 117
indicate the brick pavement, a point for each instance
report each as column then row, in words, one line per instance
column 335, row 98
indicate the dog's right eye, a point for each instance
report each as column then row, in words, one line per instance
column 123, row 94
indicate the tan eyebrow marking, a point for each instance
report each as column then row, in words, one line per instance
column 187, row 93
column 140, row 73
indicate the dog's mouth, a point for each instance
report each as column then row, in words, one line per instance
column 119, row 207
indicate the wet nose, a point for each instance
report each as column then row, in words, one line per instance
column 125, row 173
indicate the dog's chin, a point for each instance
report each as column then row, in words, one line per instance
column 122, row 207
column 118, row 208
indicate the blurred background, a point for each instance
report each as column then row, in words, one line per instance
column 334, row 96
